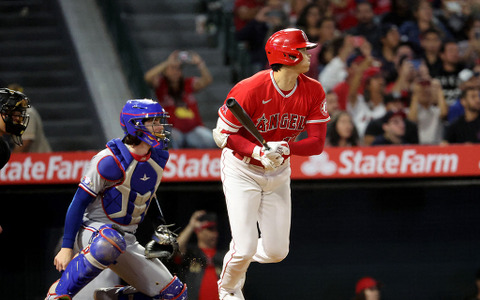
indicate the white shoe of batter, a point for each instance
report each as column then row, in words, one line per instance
column 224, row 295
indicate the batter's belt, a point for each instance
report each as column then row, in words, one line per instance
column 248, row 160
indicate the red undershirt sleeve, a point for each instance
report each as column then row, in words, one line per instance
column 313, row 144
column 240, row 145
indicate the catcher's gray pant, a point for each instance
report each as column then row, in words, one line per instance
column 148, row 276
column 254, row 195
column 105, row 279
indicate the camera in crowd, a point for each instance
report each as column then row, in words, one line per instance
column 185, row 56
column 416, row 63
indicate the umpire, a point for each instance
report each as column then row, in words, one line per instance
column 13, row 121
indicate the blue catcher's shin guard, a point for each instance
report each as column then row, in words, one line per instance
column 175, row 290
column 104, row 249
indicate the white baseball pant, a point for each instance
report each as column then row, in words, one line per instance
column 254, row 195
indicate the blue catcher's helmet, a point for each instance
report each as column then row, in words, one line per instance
column 135, row 113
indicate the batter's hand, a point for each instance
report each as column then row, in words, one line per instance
column 281, row 148
column 269, row 159
column 62, row 259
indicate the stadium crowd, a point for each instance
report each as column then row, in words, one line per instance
column 395, row 72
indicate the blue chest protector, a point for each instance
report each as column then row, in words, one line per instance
column 127, row 203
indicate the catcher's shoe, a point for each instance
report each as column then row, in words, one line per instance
column 52, row 295
column 236, row 295
column 58, row 297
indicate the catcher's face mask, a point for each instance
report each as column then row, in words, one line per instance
column 14, row 113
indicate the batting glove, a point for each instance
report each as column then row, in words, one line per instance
column 269, row 159
column 281, row 148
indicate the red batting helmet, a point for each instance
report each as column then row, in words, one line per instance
column 282, row 47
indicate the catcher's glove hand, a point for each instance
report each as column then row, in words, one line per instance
column 163, row 244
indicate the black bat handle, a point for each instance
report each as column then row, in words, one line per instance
column 242, row 116
column 231, row 102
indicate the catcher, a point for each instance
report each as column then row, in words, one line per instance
column 118, row 188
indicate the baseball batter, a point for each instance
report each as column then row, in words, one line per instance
column 282, row 102
column 112, row 199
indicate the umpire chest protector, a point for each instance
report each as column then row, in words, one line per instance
column 127, row 202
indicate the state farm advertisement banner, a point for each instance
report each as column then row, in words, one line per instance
column 204, row 165
column 390, row 161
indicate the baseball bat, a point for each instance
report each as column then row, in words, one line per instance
column 239, row 113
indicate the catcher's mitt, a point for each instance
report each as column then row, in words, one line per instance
column 163, row 244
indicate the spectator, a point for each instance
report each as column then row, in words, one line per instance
column 428, row 109
column 269, row 19
column 424, row 19
column 391, row 69
column 375, row 127
column 448, row 74
column 367, row 26
column 381, row 7
column 367, row 105
column 201, row 261
column 400, row 13
column 475, row 7
column 401, row 78
column 466, row 129
column 296, row 7
column 343, row 11
column 327, row 30
column 326, row 33
column 341, row 131
column 466, row 78
column 326, row 8
column 244, row 11
column 469, row 49
column 453, row 16
column 393, row 129
column 309, row 20
column 389, row 41
column 343, row 88
column 367, row 288
column 333, row 107
column 325, row 55
column 176, row 95
column 34, row 139
column 431, row 43
column 336, row 69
